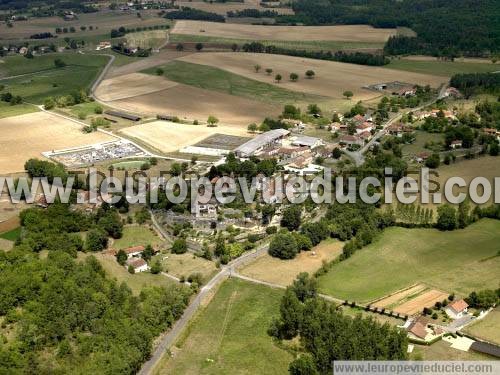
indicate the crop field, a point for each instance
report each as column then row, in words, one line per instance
column 349, row 33
column 283, row 272
column 186, row 264
column 136, row 235
column 331, row 79
column 147, row 39
column 313, row 45
column 487, row 328
column 460, row 261
column 27, row 136
column 169, row 136
column 7, row 110
column 212, row 78
column 222, row 8
column 36, row 81
column 443, row 68
column 229, row 336
column 102, row 22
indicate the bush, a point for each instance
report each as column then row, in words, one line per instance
column 283, row 246
column 179, row 246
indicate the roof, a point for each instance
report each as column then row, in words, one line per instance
column 134, row 249
column 261, row 140
column 124, row 115
column 458, row 306
column 487, row 348
column 418, row 329
column 305, row 140
column 348, row 138
column 136, row 262
column 457, row 142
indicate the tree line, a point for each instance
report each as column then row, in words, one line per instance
column 186, row 13
column 474, row 83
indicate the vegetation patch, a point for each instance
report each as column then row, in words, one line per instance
column 442, row 260
column 442, row 68
column 487, row 328
column 135, row 236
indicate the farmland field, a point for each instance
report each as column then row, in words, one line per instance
column 349, row 33
column 223, row 7
column 136, row 235
column 332, row 78
column 39, row 81
column 487, row 328
column 460, row 261
column 27, row 136
column 7, row 110
column 229, row 336
column 168, row 136
column 442, row 68
column 147, row 39
column 283, row 272
column 212, row 78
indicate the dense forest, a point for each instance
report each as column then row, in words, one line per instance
column 476, row 83
column 194, row 14
column 443, row 27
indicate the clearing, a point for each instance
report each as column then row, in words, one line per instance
column 168, row 136
column 460, row 261
column 487, row 328
column 27, row 136
column 283, row 272
column 229, row 336
column 353, row 33
column 135, row 235
column 332, row 78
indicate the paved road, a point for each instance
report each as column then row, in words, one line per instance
column 169, row 338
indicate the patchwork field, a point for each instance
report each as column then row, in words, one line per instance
column 354, row 33
column 460, row 261
column 229, row 336
column 332, row 78
column 169, row 136
column 283, row 272
column 487, row 328
column 27, row 136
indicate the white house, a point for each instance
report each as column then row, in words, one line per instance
column 134, row 251
column 456, row 144
column 138, row 264
column 456, row 309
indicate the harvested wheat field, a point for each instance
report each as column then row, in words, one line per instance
column 417, row 304
column 332, row 78
column 168, row 136
column 347, row 33
column 131, row 85
column 192, row 103
column 223, row 8
column 283, row 272
column 27, row 136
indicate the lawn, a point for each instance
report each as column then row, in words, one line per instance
column 442, row 350
column 229, row 335
column 40, row 79
column 460, row 261
column 11, row 235
column 211, row 78
column 315, row 45
column 7, row 110
column 136, row 235
column 442, row 68
column 186, row 264
column 487, row 328
column 434, row 140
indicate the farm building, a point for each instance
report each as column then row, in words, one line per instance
column 138, row 264
column 304, row 140
column 260, row 142
column 486, row 348
column 134, row 251
column 456, row 309
column 126, row 116
column 350, row 140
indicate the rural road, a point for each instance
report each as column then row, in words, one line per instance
column 168, row 340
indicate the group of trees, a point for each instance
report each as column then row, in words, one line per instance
column 327, row 335
column 474, row 83
column 484, row 299
column 353, row 58
column 443, row 28
column 186, row 13
column 253, row 13
column 8, row 97
column 68, row 316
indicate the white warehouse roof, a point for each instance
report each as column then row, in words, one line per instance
column 248, row 148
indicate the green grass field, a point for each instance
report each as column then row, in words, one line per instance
column 318, row 45
column 460, row 261
column 229, row 335
column 210, row 78
column 39, row 78
column 135, row 236
column 7, row 110
column 487, row 328
column 11, row 235
column 442, row 68
column 435, row 140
